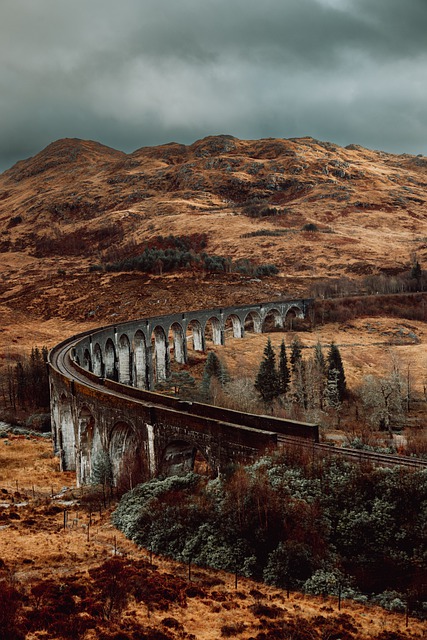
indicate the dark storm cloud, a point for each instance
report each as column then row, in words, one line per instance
column 143, row 72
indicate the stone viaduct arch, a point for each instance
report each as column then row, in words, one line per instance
column 102, row 401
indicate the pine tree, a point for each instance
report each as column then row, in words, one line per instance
column 300, row 384
column 214, row 368
column 416, row 273
column 319, row 358
column 296, row 353
column 284, row 373
column 179, row 382
column 21, row 383
column 267, row 381
column 319, row 375
column 335, row 371
column 102, row 473
column 332, row 395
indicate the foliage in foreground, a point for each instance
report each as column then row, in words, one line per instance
column 103, row 602
column 60, row 608
column 316, row 526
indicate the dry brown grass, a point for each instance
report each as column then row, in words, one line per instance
column 35, row 546
column 44, row 300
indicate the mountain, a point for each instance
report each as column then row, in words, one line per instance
column 313, row 209
column 370, row 207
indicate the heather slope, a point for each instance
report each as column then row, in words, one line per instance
column 369, row 207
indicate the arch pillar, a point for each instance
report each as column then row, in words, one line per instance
column 179, row 343
column 125, row 360
column 161, row 354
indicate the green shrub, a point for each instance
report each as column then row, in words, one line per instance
column 310, row 226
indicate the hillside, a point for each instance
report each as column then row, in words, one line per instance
column 78, row 203
column 319, row 212
column 79, row 198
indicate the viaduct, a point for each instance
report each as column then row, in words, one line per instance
column 103, row 406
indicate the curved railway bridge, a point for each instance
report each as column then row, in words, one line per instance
column 104, row 410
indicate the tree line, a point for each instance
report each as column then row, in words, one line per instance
column 274, row 381
column 26, row 384
column 170, row 253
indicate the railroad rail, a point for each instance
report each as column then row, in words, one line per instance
column 359, row 456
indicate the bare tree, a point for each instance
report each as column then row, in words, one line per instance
column 385, row 399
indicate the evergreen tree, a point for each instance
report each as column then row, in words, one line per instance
column 416, row 273
column 300, row 384
column 332, row 395
column 214, row 368
column 319, row 358
column 284, row 373
column 335, row 372
column 179, row 382
column 21, row 383
column 102, row 473
column 296, row 353
column 319, row 375
column 31, row 379
column 267, row 381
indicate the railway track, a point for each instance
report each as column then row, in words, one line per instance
column 354, row 455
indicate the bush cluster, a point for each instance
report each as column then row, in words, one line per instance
column 410, row 306
column 169, row 253
column 267, row 232
column 260, row 210
column 70, row 608
column 78, row 242
column 320, row 525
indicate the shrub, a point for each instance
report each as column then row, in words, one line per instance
column 266, row 270
column 266, row 232
column 310, row 226
column 390, row 600
column 260, row 210
column 231, row 630
column 14, row 221
column 10, row 605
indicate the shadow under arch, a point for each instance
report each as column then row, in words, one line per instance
column 213, row 331
column 273, row 321
column 179, row 457
column 110, row 361
column 177, row 346
column 194, row 336
column 292, row 314
column 87, row 360
column 253, row 322
column 161, row 363
column 234, row 324
column 127, row 462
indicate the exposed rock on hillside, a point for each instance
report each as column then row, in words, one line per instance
column 311, row 208
column 351, row 191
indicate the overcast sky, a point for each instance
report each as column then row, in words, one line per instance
column 130, row 73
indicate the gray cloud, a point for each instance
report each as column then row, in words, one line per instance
column 144, row 72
